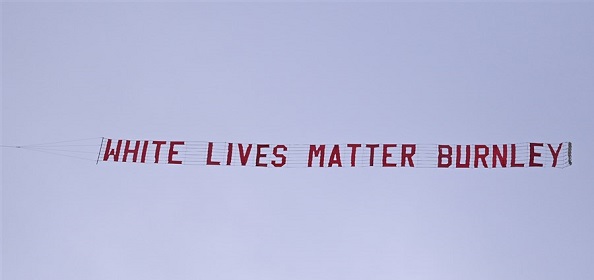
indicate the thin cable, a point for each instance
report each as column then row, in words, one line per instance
column 67, row 141
column 57, row 150
column 43, row 151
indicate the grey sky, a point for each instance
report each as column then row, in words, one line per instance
column 296, row 73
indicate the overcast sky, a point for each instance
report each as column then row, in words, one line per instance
column 296, row 73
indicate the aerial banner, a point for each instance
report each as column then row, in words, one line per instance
column 383, row 155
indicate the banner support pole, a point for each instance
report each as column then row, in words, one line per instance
column 100, row 148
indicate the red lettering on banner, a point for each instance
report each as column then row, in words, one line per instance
column 371, row 152
column 158, row 149
column 172, row 152
column 534, row 154
column 353, row 152
column 499, row 156
column 459, row 163
column 554, row 153
column 134, row 151
column 244, row 155
column 144, row 150
column 335, row 157
column 260, row 155
column 443, row 155
column 277, row 154
column 386, row 155
column 513, row 157
column 112, row 152
column 229, row 153
column 529, row 154
column 317, row 152
column 406, row 155
column 481, row 156
column 209, row 160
